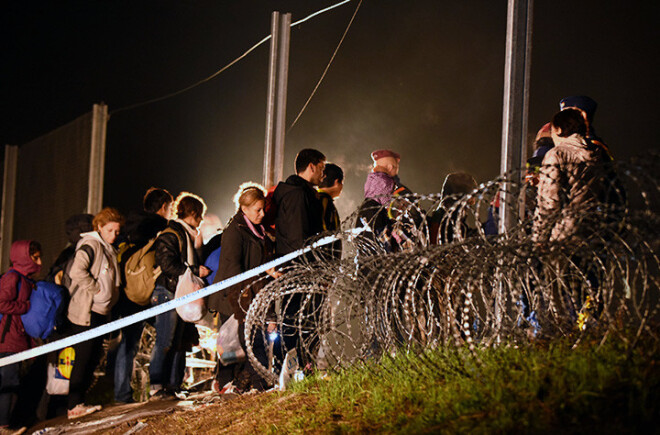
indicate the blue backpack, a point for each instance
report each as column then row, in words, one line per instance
column 47, row 308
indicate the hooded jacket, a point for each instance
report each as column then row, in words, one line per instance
column 15, row 291
column 299, row 214
column 241, row 250
column 566, row 189
column 94, row 281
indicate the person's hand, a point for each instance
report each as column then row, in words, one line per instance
column 274, row 273
column 204, row 271
column 272, row 327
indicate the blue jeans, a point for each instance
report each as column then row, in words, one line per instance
column 126, row 351
column 165, row 360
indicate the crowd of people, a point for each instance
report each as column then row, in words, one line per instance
column 266, row 225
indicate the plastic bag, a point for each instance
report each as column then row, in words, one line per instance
column 229, row 346
column 59, row 372
column 194, row 311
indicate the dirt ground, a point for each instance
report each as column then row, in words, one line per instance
column 200, row 413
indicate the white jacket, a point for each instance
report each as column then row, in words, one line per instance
column 94, row 287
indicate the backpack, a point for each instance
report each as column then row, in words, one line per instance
column 64, row 276
column 48, row 303
column 141, row 271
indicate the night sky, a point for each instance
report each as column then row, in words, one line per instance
column 423, row 77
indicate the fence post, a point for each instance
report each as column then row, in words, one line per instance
column 8, row 203
column 97, row 158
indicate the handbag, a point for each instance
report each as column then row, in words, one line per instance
column 194, row 311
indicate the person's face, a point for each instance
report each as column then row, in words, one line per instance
column 254, row 212
column 337, row 188
column 390, row 164
column 165, row 210
column 317, row 173
column 109, row 232
column 36, row 257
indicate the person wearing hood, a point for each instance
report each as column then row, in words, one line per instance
column 175, row 249
column 95, row 278
column 16, row 288
column 245, row 245
column 299, row 210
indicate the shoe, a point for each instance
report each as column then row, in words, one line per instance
column 162, row 394
column 82, row 410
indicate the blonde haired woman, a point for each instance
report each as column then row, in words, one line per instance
column 245, row 245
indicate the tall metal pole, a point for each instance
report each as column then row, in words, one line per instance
column 97, row 158
column 268, row 176
column 282, row 83
column 8, row 204
column 516, row 99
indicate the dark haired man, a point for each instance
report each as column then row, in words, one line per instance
column 299, row 210
column 329, row 189
column 299, row 217
column 141, row 226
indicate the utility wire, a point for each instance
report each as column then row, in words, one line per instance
column 326, row 68
column 224, row 68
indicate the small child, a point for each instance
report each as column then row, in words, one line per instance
column 15, row 289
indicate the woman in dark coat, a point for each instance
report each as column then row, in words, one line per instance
column 245, row 245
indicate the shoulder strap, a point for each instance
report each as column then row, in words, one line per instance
column 170, row 230
column 90, row 252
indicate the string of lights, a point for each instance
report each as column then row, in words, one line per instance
column 230, row 64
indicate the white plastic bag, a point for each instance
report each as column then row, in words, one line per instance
column 59, row 372
column 229, row 345
column 194, row 311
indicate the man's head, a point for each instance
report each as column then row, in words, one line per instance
column 582, row 103
column 387, row 160
column 158, row 201
column 309, row 165
column 333, row 181
column 568, row 122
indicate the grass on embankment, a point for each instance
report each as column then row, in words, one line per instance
column 533, row 389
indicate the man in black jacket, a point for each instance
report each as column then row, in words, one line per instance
column 299, row 216
column 299, row 210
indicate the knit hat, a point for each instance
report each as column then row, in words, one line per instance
column 582, row 102
column 379, row 154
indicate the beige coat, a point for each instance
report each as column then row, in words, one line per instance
column 565, row 193
column 94, row 287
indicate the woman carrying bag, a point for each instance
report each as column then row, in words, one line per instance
column 175, row 252
column 94, row 291
column 245, row 245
